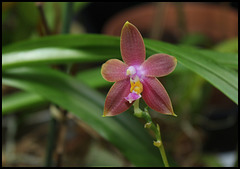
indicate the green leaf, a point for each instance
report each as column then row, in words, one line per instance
column 96, row 80
column 21, row 101
column 66, row 41
column 124, row 131
column 226, row 80
column 48, row 56
column 230, row 46
column 194, row 39
column 214, row 67
column 229, row 60
column 210, row 160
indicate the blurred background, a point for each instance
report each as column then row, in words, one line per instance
column 205, row 133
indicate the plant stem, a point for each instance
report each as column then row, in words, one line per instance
column 61, row 137
column 51, row 141
column 58, row 111
column 67, row 17
column 63, row 113
column 164, row 157
column 43, row 18
column 155, row 128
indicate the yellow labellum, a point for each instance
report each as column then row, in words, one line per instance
column 136, row 86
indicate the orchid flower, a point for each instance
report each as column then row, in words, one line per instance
column 136, row 77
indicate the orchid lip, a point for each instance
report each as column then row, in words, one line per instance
column 135, row 74
column 132, row 97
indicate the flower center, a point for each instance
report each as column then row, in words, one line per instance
column 136, row 85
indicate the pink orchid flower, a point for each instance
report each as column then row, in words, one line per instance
column 136, row 77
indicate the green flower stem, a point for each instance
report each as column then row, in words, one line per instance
column 155, row 128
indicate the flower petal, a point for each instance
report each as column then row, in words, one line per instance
column 156, row 97
column 159, row 65
column 132, row 45
column 114, row 70
column 115, row 102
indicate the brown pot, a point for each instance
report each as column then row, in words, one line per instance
column 218, row 22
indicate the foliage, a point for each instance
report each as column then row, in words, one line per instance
column 26, row 65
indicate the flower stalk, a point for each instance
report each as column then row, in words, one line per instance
column 155, row 128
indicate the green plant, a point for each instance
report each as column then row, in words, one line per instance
column 26, row 65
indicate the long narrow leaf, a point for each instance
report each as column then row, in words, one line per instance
column 21, row 101
column 50, row 55
column 224, row 79
column 64, row 41
column 96, row 81
column 82, row 48
column 124, row 131
column 227, row 59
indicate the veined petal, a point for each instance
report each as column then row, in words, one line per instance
column 114, row 70
column 132, row 45
column 115, row 102
column 159, row 65
column 156, row 97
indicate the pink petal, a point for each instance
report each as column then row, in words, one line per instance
column 156, row 97
column 132, row 97
column 159, row 65
column 132, row 45
column 114, row 70
column 115, row 102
